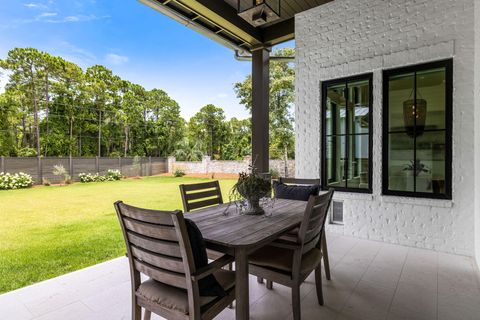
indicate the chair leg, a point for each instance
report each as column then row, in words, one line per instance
column 296, row 302
column 136, row 311
column 269, row 284
column 259, row 280
column 147, row 315
column 325, row 256
column 318, row 284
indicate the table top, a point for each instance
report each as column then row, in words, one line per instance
column 235, row 230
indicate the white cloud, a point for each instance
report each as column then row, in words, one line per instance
column 76, row 18
column 35, row 5
column 48, row 14
column 222, row 95
column 116, row 59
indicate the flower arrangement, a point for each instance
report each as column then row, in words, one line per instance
column 15, row 181
column 251, row 186
column 416, row 167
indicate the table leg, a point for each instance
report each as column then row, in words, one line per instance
column 242, row 305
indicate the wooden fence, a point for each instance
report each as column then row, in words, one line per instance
column 42, row 167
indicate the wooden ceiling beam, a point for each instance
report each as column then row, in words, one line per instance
column 279, row 32
column 226, row 17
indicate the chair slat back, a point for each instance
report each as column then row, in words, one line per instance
column 200, row 195
column 314, row 219
column 157, row 245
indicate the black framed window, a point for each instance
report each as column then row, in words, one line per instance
column 347, row 134
column 417, row 130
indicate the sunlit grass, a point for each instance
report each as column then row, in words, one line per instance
column 49, row 231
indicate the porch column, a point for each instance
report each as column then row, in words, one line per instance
column 260, row 122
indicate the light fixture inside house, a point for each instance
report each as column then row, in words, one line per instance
column 259, row 12
column 414, row 116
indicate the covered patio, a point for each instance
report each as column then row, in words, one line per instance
column 370, row 280
column 404, row 229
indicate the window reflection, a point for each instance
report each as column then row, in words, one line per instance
column 417, row 133
column 347, row 134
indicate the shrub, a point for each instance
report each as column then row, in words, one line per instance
column 59, row 170
column 46, row 182
column 111, row 175
column 88, row 177
column 178, row 173
column 27, row 152
column 15, row 181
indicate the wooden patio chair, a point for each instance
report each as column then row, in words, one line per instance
column 293, row 233
column 158, row 246
column 200, row 195
column 290, row 262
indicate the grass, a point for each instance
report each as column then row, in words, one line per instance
column 49, row 231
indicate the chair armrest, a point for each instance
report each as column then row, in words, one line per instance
column 280, row 243
column 212, row 267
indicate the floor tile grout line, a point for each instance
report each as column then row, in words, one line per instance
column 56, row 310
column 398, row 282
column 360, row 278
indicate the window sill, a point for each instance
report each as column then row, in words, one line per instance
column 343, row 195
column 440, row 203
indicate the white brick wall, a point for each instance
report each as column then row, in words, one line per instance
column 348, row 37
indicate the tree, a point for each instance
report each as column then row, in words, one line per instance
column 188, row 150
column 209, row 125
column 239, row 139
column 101, row 89
column 165, row 123
column 51, row 71
column 27, row 71
column 67, row 105
column 52, row 105
column 8, row 105
column 281, row 99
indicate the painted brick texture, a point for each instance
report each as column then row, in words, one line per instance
column 349, row 37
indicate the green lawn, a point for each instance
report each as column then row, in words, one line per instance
column 49, row 231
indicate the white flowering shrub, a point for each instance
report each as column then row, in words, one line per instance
column 88, row 177
column 15, row 181
column 111, row 175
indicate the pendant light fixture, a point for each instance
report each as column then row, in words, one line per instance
column 259, row 12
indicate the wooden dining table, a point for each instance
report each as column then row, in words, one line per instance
column 227, row 231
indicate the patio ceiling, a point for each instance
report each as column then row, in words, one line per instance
column 220, row 19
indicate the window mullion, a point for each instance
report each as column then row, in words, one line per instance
column 415, row 132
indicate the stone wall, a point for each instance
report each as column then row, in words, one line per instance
column 350, row 37
column 224, row 166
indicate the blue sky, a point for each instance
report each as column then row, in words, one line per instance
column 136, row 42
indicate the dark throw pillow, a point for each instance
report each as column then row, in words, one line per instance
column 207, row 286
column 295, row 192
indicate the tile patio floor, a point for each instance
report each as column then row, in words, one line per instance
column 370, row 280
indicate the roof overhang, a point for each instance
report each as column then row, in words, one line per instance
column 219, row 21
